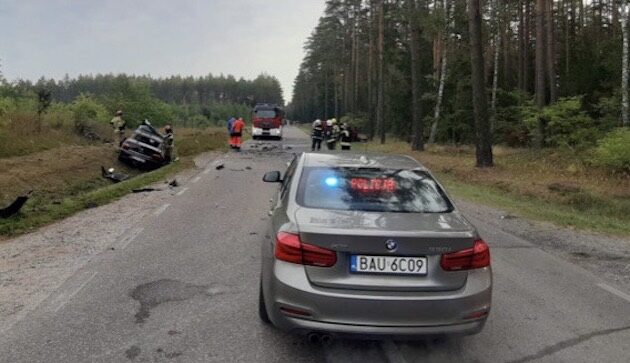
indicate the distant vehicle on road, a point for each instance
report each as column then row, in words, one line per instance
column 369, row 244
column 267, row 121
column 145, row 148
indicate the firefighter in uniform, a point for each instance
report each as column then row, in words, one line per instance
column 332, row 134
column 169, row 143
column 118, row 124
column 237, row 132
column 317, row 134
column 346, row 137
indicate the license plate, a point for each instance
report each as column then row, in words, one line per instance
column 388, row 265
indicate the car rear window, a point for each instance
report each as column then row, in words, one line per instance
column 371, row 189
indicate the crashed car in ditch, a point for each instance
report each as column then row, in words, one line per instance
column 145, row 148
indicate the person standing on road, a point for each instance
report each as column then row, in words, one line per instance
column 237, row 132
column 230, row 125
column 169, row 143
column 118, row 124
column 332, row 134
column 346, row 137
column 317, row 134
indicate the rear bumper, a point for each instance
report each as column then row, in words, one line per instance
column 347, row 312
column 275, row 132
column 303, row 327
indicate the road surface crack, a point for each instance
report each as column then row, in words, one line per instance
column 568, row 344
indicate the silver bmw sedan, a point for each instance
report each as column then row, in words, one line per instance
column 370, row 245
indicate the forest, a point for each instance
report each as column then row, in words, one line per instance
column 522, row 73
column 186, row 101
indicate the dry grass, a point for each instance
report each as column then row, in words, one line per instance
column 21, row 134
column 589, row 197
column 63, row 176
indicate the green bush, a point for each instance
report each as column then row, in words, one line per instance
column 86, row 113
column 613, row 151
column 565, row 123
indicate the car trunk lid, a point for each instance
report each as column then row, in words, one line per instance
column 366, row 233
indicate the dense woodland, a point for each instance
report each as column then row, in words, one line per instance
column 526, row 73
column 190, row 101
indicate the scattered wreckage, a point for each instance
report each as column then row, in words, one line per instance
column 14, row 207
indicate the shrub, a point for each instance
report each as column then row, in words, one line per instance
column 613, row 151
column 566, row 124
column 87, row 113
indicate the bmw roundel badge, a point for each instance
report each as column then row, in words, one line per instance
column 391, row 245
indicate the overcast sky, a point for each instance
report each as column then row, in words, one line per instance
column 158, row 37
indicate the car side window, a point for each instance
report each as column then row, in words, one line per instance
column 288, row 175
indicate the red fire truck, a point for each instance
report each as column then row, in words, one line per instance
column 267, row 121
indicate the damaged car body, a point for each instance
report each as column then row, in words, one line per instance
column 145, row 148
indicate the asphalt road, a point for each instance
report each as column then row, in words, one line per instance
column 183, row 288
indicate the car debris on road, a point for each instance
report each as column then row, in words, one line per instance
column 15, row 207
column 112, row 175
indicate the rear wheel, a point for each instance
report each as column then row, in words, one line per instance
column 262, row 308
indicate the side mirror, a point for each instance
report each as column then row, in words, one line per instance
column 272, row 177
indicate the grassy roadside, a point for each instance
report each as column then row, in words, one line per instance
column 538, row 209
column 546, row 186
column 57, row 197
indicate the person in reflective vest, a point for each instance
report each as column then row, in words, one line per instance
column 331, row 134
column 237, row 133
column 118, row 124
column 346, row 137
column 230, row 125
column 317, row 134
column 169, row 143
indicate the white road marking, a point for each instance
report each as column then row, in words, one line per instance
column 67, row 298
column 196, row 179
column 392, row 352
column 161, row 209
column 614, row 291
column 181, row 192
column 131, row 235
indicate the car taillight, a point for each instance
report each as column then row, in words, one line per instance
column 289, row 248
column 471, row 258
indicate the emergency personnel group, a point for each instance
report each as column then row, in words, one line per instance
column 330, row 133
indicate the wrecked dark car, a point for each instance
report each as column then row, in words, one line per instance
column 145, row 148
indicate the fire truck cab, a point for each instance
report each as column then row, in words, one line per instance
column 267, row 121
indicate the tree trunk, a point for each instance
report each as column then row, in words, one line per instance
column 495, row 75
column 624, row 74
column 521, row 45
column 550, row 51
column 380, row 103
column 526, row 51
column 417, row 142
column 541, row 98
column 480, row 106
column 371, row 72
column 443, row 74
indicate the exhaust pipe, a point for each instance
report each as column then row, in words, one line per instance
column 313, row 338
